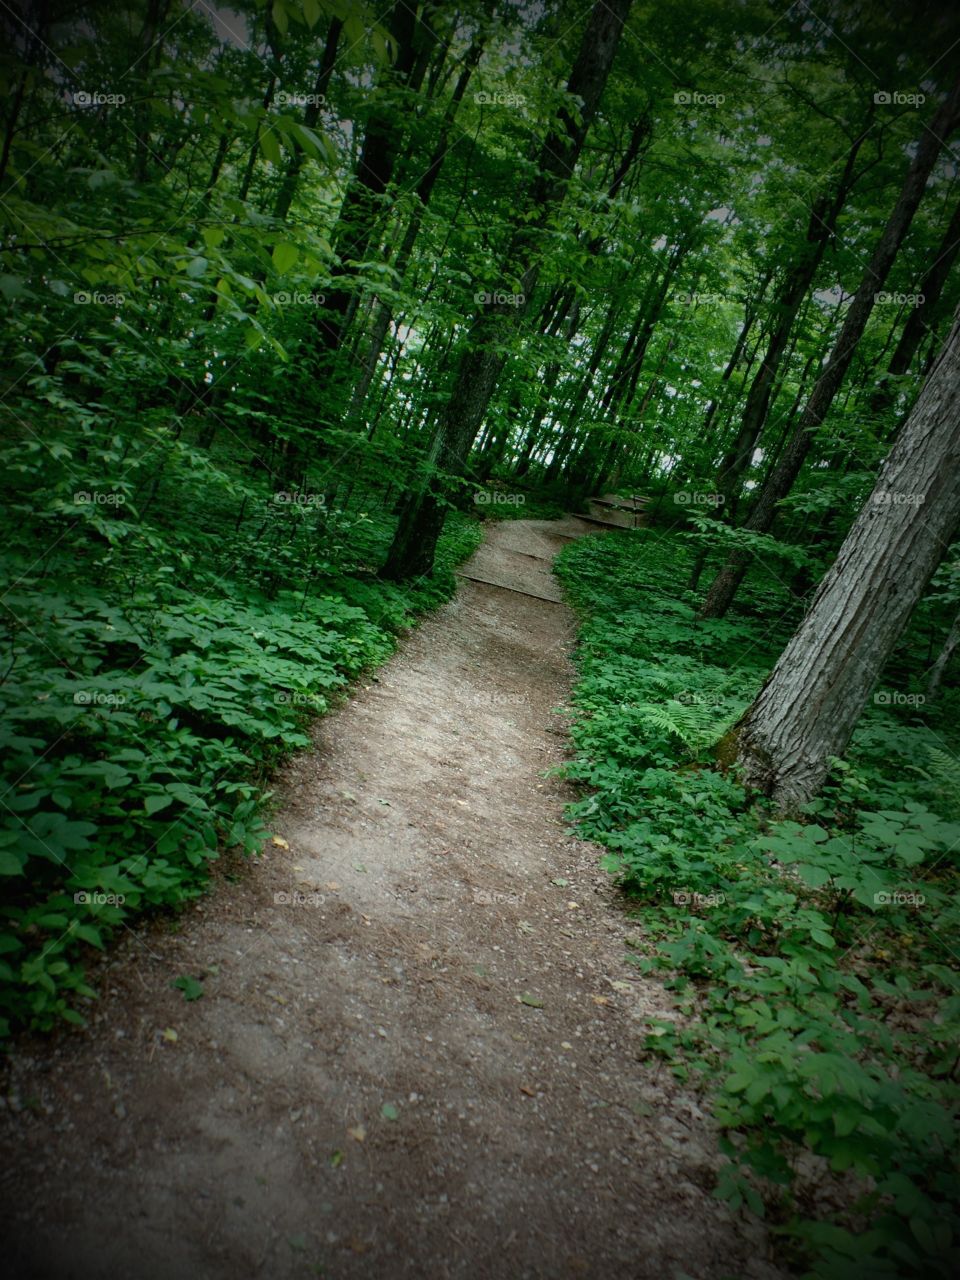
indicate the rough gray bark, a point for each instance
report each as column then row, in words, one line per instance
column 809, row 705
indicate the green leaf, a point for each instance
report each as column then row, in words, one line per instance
column 12, row 862
column 191, row 988
column 284, row 256
column 269, row 145
column 153, row 804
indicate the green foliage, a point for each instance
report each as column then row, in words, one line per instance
column 161, row 657
column 810, row 959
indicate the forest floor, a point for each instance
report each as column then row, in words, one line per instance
column 430, row 1066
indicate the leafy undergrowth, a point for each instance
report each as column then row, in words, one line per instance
column 144, row 700
column 810, row 960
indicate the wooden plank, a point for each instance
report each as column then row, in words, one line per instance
column 503, row 587
column 610, row 524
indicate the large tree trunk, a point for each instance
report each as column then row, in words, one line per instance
column 809, row 705
column 781, row 478
column 421, row 519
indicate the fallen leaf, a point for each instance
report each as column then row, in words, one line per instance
column 357, row 1133
column 280, row 842
column 336, row 1159
column 171, row 1035
column 621, row 986
column 191, row 988
column 531, row 1093
column 599, row 999
column 560, row 882
column 530, row 1000
column 573, row 906
column 389, row 1111
column 358, row 866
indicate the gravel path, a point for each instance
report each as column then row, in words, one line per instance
column 419, row 1052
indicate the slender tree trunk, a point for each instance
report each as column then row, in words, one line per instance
column 421, row 521
column 424, row 191
column 920, row 318
column 808, row 708
column 311, row 114
column 943, row 658
column 781, row 479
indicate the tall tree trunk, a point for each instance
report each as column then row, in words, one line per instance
column 353, row 234
column 796, row 284
column 780, row 480
column 950, row 645
column 424, row 191
column 920, row 318
column 810, row 704
column 311, row 114
column 421, row 520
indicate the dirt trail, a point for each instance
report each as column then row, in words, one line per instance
column 456, row 958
